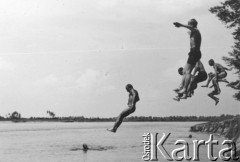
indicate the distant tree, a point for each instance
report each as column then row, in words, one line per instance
column 15, row 115
column 8, row 115
column 52, row 114
column 229, row 13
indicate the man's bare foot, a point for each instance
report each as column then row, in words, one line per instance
column 182, row 91
column 225, row 80
column 176, row 99
column 176, row 90
column 192, row 92
column 112, row 130
column 184, row 96
column 236, row 87
column 189, row 94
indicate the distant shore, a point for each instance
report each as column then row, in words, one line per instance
column 128, row 119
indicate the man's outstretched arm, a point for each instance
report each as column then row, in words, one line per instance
column 227, row 69
column 177, row 24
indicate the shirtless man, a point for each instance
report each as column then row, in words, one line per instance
column 194, row 54
column 220, row 74
column 132, row 100
column 210, row 77
column 195, row 79
column 177, row 98
column 200, row 77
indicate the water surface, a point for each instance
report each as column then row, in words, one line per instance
column 62, row 142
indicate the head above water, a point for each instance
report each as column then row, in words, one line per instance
column 129, row 87
column 193, row 23
column 180, row 70
column 211, row 62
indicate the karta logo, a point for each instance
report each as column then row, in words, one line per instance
column 153, row 145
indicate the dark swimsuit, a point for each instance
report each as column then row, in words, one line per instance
column 220, row 69
column 194, row 56
column 202, row 76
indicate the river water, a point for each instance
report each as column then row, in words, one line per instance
column 62, row 142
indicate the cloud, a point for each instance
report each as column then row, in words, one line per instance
column 47, row 81
column 172, row 72
column 90, row 80
column 6, row 65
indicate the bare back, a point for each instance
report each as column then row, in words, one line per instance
column 219, row 68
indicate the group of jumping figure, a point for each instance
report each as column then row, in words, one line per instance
column 189, row 80
column 219, row 76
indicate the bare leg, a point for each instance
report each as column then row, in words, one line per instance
column 223, row 80
column 208, row 81
column 237, row 86
column 216, row 85
column 182, row 83
column 187, row 77
column 233, row 83
column 221, row 77
column 120, row 118
column 192, row 86
column 190, row 90
column 211, row 86
column 180, row 86
column 213, row 97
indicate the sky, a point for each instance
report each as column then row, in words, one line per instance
column 74, row 57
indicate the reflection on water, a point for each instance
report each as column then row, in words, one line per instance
column 61, row 142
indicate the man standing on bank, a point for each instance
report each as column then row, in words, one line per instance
column 132, row 100
column 194, row 55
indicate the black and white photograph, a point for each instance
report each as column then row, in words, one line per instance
column 119, row 80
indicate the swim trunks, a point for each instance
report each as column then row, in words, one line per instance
column 194, row 56
column 222, row 75
column 202, row 76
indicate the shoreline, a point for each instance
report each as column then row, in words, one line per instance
column 82, row 121
column 230, row 129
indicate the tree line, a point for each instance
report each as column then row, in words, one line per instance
column 228, row 12
column 16, row 116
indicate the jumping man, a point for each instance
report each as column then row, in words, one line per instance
column 220, row 74
column 200, row 77
column 132, row 100
column 194, row 54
